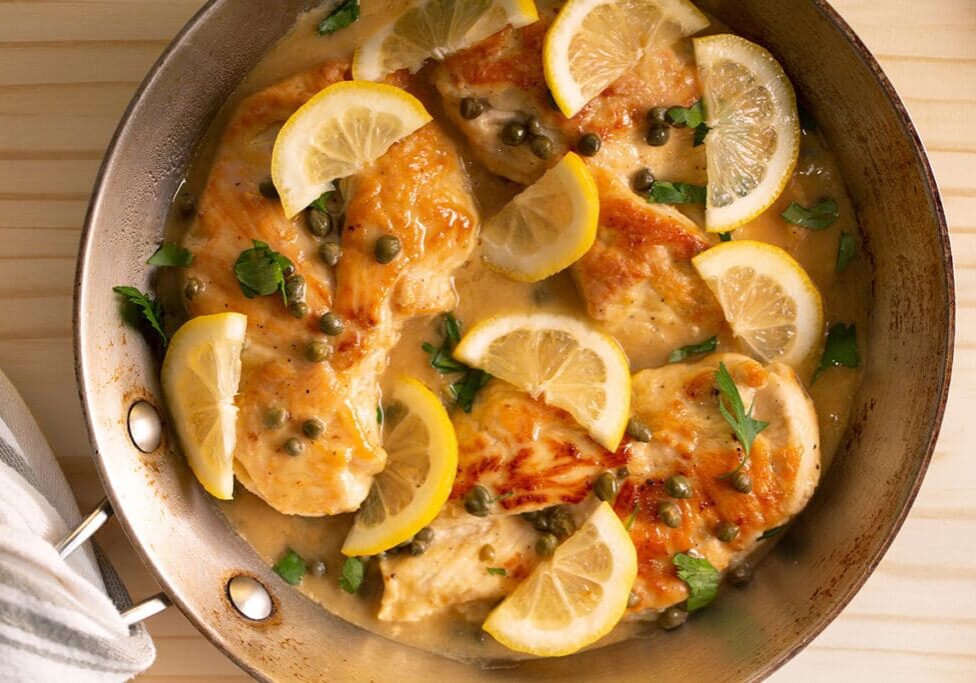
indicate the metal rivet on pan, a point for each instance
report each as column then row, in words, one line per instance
column 145, row 428
column 249, row 597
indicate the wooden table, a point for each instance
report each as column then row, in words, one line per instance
column 67, row 71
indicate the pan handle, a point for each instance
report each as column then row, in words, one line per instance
column 85, row 530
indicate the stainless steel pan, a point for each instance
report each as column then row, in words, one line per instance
column 747, row 634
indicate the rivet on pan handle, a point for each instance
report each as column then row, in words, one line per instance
column 85, row 530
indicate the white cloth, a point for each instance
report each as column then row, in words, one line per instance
column 59, row 620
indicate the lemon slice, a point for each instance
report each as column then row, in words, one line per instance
column 593, row 42
column 335, row 134
column 547, row 227
column 574, row 598
column 561, row 359
column 767, row 297
column 200, row 375
column 436, row 28
column 421, row 463
column 754, row 137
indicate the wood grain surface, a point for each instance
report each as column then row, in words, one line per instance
column 67, row 71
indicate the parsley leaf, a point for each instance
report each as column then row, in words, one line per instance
column 769, row 533
column 745, row 427
column 291, row 567
column 677, row 193
column 681, row 354
column 701, row 578
column 628, row 525
column 700, row 133
column 840, row 349
column 260, row 271
column 442, row 359
column 344, row 14
column 819, row 217
column 322, row 203
column 170, row 254
column 725, row 236
column 497, row 571
column 687, row 117
column 353, row 572
column 846, row 251
column 142, row 307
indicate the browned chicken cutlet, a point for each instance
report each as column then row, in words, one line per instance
column 679, row 403
column 417, row 192
column 637, row 280
column 505, row 70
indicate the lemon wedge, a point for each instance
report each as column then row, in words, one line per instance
column 574, row 598
column 421, row 463
column 593, row 42
column 547, row 227
column 200, row 376
column 335, row 134
column 754, row 138
column 436, row 28
column 564, row 361
column 768, row 299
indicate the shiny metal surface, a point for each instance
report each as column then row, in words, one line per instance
column 250, row 597
column 145, row 609
column 823, row 559
column 78, row 536
column 145, row 427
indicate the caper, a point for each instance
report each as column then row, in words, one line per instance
column 623, row 472
column 319, row 222
column 477, row 501
column 672, row 618
column 678, row 487
column 331, row 324
column 741, row 482
column 267, row 189
column 530, row 516
column 330, row 252
column 425, row 535
column 643, row 180
column 386, row 249
column 293, row 446
column 288, row 270
column 317, row 568
column 295, row 288
column 513, row 134
column 669, row 514
column 658, row 116
column 561, row 522
column 416, row 548
column 606, row 487
column 541, row 523
column 534, row 126
column 741, row 574
column 275, row 418
column 546, row 545
column 318, row 351
column 472, row 108
column 186, row 206
column 657, row 136
column 313, row 427
column 487, row 553
column 633, row 599
column 674, row 117
column 298, row 309
column 637, row 430
column 589, row 144
column 726, row 532
column 541, row 146
column 194, row 287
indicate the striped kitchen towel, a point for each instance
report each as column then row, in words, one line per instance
column 59, row 619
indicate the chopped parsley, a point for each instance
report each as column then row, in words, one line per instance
column 769, row 533
column 690, row 117
column 322, row 203
column 725, row 236
column 379, row 415
column 261, row 271
column 497, row 571
column 700, row 577
column 342, row 15
column 353, row 572
column 142, row 308
column 730, row 405
column 681, row 354
column 818, row 217
column 846, row 251
column 840, row 349
column 677, row 193
column 628, row 525
column 291, row 567
column 170, row 254
column 442, row 359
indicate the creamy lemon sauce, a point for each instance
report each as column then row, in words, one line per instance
column 482, row 293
